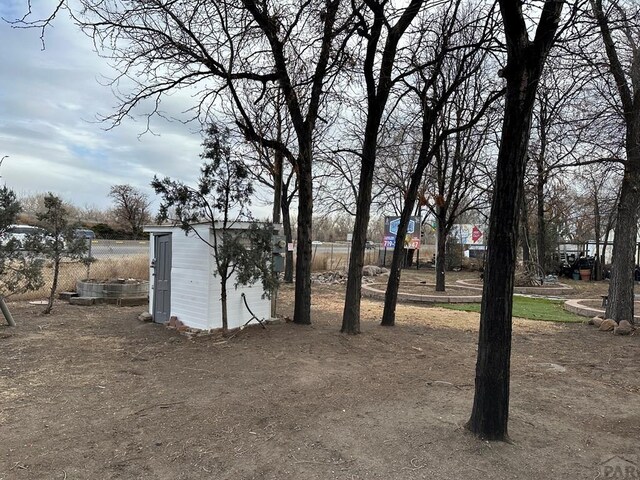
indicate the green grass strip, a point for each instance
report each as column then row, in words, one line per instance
column 540, row 309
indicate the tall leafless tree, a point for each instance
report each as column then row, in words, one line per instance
column 525, row 61
column 231, row 51
column 460, row 36
column 619, row 25
column 130, row 208
column 375, row 26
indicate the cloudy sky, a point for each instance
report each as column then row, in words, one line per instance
column 49, row 100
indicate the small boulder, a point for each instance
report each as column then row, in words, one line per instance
column 592, row 321
column 145, row 317
column 607, row 325
column 370, row 271
column 597, row 321
column 623, row 328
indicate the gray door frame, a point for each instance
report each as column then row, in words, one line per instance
column 162, row 278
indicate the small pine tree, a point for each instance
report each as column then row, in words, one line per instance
column 56, row 241
column 20, row 271
column 221, row 198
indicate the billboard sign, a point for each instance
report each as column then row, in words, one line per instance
column 468, row 234
column 411, row 239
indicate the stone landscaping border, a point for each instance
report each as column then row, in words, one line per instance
column 558, row 289
column 370, row 291
column 575, row 306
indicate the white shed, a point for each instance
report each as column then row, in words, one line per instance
column 183, row 284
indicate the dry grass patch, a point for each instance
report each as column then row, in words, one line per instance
column 134, row 266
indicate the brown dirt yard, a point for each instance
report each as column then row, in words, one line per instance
column 92, row 393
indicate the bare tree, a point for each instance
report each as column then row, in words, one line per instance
column 130, row 208
column 229, row 51
column 270, row 168
column 525, row 60
column 460, row 36
column 601, row 195
column 379, row 76
column 619, row 25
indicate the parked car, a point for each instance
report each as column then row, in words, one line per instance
column 370, row 244
column 85, row 233
column 19, row 233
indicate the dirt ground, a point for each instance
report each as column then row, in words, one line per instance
column 92, row 393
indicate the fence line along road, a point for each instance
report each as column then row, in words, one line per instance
column 101, row 248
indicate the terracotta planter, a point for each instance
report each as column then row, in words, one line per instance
column 585, row 274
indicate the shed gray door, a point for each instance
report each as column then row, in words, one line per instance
column 162, row 279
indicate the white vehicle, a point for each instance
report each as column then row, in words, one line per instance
column 19, row 233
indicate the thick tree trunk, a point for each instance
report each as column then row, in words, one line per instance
column 525, row 59
column 395, row 271
column 490, row 414
column 621, row 297
column 542, row 248
column 376, row 102
column 302, row 307
column 441, row 254
column 491, row 402
column 353, row 294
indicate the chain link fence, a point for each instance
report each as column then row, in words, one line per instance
column 106, row 259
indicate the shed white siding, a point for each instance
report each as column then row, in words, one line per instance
column 236, row 309
column 190, row 278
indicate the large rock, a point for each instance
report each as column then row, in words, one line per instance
column 145, row 317
column 607, row 325
column 623, row 328
column 592, row 321
column 370, row 271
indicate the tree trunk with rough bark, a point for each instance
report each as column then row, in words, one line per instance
column 542, row 227
column 302, row 307
column 441, row 254
column 525, row 59
column 621, row 296
column 377, row 96
column 351, row 313
column 627, row 78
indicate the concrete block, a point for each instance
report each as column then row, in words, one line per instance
column 67, row 295
column 132, row 301
column 83, row 301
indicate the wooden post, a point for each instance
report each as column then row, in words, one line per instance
column 6, row 312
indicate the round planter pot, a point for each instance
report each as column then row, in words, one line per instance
column 585, row 275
